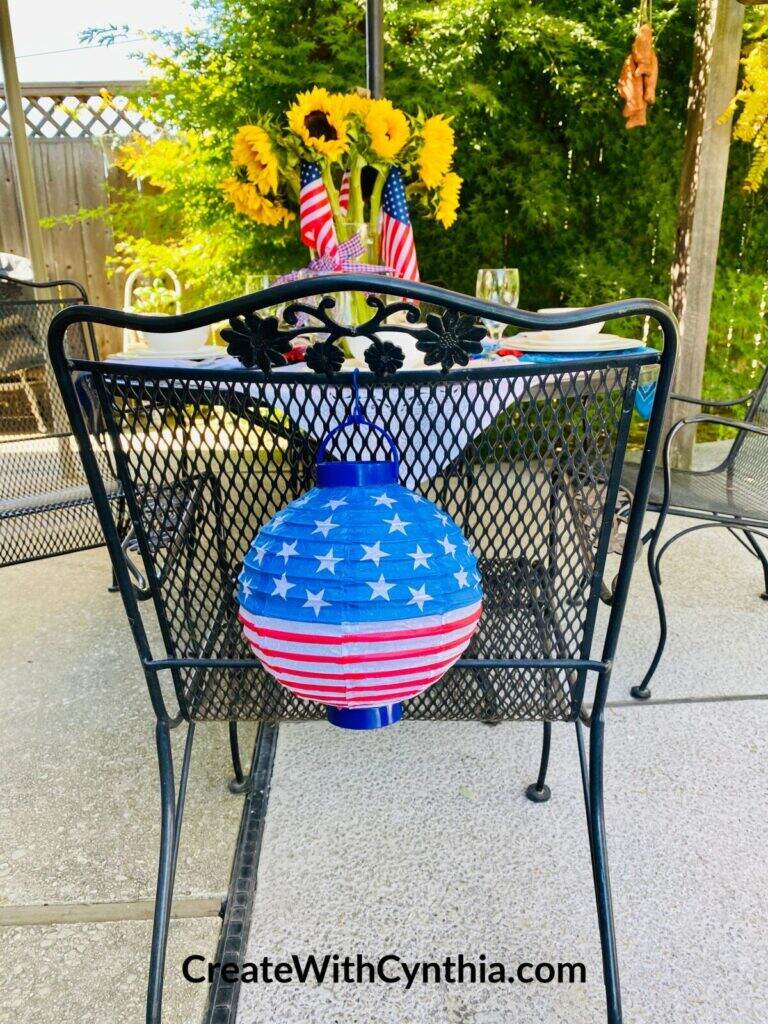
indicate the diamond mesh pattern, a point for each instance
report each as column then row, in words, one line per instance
column 45, row 503
column 207, row 457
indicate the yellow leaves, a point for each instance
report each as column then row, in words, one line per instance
column 752, row 123
column 162, row 162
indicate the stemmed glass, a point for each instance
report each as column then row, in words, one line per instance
column 260, row 282
column 500, row 285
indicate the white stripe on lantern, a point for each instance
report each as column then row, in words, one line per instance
column 352, row 651
column 357, row 630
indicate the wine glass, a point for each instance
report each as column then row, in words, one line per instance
column 259, row 282
column 500, row 285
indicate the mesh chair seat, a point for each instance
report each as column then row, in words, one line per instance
column 716, row 492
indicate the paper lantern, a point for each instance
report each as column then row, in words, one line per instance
column 360, row 594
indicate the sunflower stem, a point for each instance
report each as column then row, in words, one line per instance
column 378, row 188
column 355, row 212
column 330, row 188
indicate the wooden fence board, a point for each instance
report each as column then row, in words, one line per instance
column 71, row 175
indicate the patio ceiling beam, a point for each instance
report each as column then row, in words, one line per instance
column 21, row 155
column 374, row 47
column 717, row 51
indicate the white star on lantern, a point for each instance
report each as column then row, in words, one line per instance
column 335, row 503
column 396, row 524
column 286, row 551
column 448, row 547
column 462, row 578
column 373, row 553
column 328, row 562
column 420, row 557
column 442, row 517
column 246, row 587
column 316, row 602
column 282, row 586
column 258, row 553
column 380, row 588
column 324, row 526
column 384, row 499
column 419, row 596
column 414, row 496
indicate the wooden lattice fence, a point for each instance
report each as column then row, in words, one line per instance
column 73, row 130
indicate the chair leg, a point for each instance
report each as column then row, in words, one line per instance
column 592, row 780
column 165, row 874
column 239, row 784
column 538, row 791
column 761, row 556
column 642, row 692
column 171, row 811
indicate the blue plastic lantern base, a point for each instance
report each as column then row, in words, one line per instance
column 356, row 474
column 365, row 718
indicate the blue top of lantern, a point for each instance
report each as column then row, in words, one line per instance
column 361, row 553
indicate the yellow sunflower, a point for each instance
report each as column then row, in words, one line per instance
column 319, row 120
column 357, row 103
column 437, row 148
column 387, row 127
column 448, row 199
column 253, row 150
column 247, row 199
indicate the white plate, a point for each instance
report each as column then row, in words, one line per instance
column 544, row 341
column 140, row 354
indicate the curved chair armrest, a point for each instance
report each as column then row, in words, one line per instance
column 712, row 403
column 721, row 421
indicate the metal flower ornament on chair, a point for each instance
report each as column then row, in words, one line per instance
column 447, row 339
column 361, row 593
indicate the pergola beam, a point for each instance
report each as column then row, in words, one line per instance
column 374, row 47
column 22, row 159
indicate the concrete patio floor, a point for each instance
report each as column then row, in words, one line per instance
column 416, row 840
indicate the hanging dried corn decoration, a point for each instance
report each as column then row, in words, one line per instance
column 639, row 72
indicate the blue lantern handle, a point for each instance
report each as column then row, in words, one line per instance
column 358, row 418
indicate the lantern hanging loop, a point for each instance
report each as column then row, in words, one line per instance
column 358, row 418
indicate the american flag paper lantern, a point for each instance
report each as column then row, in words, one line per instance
column 360, row 594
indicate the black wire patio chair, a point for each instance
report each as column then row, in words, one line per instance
column 732, row 495
column 46, row 506
column 207, row 456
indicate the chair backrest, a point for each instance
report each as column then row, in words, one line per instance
column 40, row 468
column 526, row 458
column 27, row 309
column 749, row 458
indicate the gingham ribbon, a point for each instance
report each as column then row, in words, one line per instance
column 343, row 261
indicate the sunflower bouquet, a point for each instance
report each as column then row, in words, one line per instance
column 347, row 168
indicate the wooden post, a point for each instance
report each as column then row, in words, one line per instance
column 717, row 49
column 22, row 160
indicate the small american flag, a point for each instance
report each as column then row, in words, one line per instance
column 344, row 193
column 316, row 216
column 398, row 249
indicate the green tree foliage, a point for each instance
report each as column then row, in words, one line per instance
column 554, row 183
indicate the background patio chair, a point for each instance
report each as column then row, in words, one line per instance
column 45, row 504
column 733, row 495
column 497, row 447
